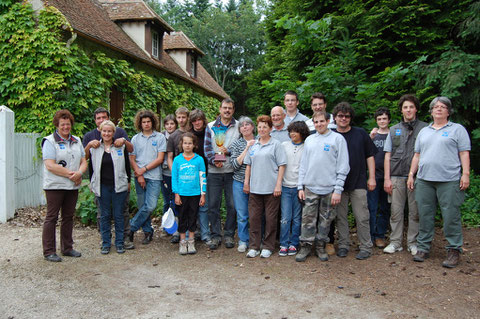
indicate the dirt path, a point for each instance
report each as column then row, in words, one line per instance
column 155, row 282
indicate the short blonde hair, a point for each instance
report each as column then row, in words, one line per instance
column 108, row 123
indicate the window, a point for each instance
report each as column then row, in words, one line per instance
column 155, row 44
column 193, row 65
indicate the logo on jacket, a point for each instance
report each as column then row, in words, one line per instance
column 445, row 134
column 398, row 131
column 119, row 153
column 154, row 143
column 326, row 147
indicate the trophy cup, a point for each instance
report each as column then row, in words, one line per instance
column 219, row 140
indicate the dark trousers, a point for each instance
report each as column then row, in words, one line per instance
column 258, row 206
column 216, row 183
column 65, row 200
column 187, row 213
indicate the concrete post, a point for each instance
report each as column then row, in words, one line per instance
column 7, row 164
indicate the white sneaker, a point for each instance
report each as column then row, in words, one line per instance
column 265, row 253
column 413, row 249
column 252, row 253
column 182, row 248
column 392, row 248
column 242, row 247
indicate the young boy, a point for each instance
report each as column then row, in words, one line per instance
column 378, row 197
column 323, row 169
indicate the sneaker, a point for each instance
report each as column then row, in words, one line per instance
column 392, row 248
column 229, row 242
column 330, row 248
column 292, row 250
column 252, row 253
column 363, row 254
column 53, row 258
column 342, row 252
column 213, row 243
column 266, row 253
column 453, row 258
column 320, row 251
column 420, row 256
column 283, row 251
column 129, row 245
column 191, row 246
column 175, row 238
column 304, row 252
column 380, row 243
column 242, row 247
column 413, row 249
column 120, row 249
column 182, row 248
column 105, row 250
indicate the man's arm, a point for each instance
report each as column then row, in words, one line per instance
column 413, row 170
column 387, row 181
column 371, row 183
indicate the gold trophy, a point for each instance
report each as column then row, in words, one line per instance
column 219, row 140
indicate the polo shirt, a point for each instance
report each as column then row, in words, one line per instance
column 264, row 161
column 281, row 135
column 298, row 117
column 439, row 158
column 146, row 149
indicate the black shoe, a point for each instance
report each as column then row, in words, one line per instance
column 120, row 249
column 420, row 256
column 342, row 252
column 362, row 255
column 130, row 236
column 148, row 238
column 175, row 239
column 105, row 250
column 72, row 253
column 53, row 258
column 213, row 243
column 129, row 245
column 229, row 242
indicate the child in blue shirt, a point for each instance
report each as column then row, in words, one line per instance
column 189, row 186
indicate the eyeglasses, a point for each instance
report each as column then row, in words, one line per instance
column 344, row 116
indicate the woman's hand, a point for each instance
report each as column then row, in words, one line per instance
column 202, row 200
column 141, row 181
column 246, row 188
column 178, row 200
column 277, row 191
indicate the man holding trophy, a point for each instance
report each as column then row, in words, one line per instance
column 219, row 135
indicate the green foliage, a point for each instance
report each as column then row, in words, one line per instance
column 86, row 209
column 44, row 70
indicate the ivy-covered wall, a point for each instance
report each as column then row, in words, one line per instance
column 44, row 69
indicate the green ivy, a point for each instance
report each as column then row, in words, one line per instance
column 42, row 72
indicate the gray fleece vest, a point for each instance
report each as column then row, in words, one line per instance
column 118, row 158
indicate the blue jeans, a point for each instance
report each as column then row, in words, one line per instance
column 203, row 221
column 240, row 200
column 147, row 202
column 291, row 221
column 110, row 201
column 379, row 219
column 216, row 182
column 168, row 200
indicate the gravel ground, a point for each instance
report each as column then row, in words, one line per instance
column 153, row 281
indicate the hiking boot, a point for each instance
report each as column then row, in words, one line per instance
column 342, row 252
column 148, row 238
column 392, row 248
column 330, row 249
column 303, row 253
column 129, row 245
column 380, row 243
column 191, row 246
column 120, row 249
column 453, row 257
column 213, row 243
column 420, row 256
column 363, row 254
column 229, row 242
column 105, row 250
column 175, row 238
column 283, row 251
column 320, row 251
column 182, row 248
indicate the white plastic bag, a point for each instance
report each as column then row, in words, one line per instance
column 169, row 223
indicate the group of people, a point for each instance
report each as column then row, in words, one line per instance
column 286, row 173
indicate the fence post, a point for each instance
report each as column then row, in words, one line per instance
column 7, row 164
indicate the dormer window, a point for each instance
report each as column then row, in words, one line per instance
column 192, row 64
column 155, row 44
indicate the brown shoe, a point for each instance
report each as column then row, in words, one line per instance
column 420, row 256
column 330, row 249
column 453, row 257
column 380, row 243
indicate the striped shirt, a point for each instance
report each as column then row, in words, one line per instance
column 235, row 150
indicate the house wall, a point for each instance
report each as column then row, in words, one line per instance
column 180, row 57
column 136, row 31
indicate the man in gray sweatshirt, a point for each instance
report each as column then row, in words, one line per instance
column 321, row 189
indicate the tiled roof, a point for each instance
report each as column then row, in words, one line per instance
column 178, row 40
column 127, row 10
column 90, row 20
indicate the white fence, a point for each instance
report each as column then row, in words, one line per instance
column 28, row 171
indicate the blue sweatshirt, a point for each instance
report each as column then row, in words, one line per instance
column 188, row 177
